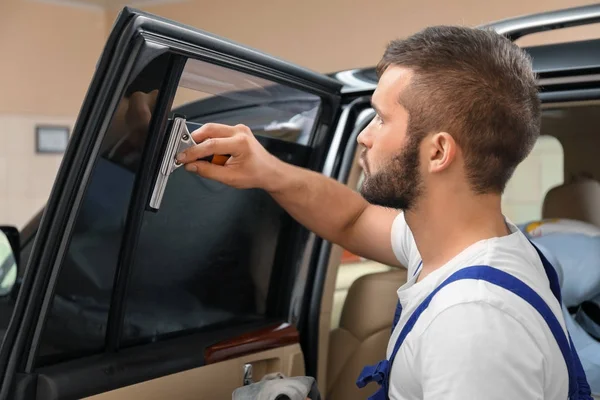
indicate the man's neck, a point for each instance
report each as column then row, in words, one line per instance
column 442, row 232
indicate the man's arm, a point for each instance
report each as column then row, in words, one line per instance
column 325, row 206
column 335, row 212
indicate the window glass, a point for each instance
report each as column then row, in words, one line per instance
column 8, row 276
column 210, row 93
column 76, row 324
column 8, row 266
column 206, row 257
column 542, row 170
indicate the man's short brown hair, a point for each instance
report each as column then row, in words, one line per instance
column 479, row 87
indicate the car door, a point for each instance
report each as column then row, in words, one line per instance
column 145, row 281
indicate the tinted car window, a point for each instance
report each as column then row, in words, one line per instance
column 205, row 259
column 8, row 277
column 77, row 321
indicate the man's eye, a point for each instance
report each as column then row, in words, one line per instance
column 379, row 120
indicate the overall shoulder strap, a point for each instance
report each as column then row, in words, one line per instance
column 550, row 273
column 583, row 386
column 512, row 284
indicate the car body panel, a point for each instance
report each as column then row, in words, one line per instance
column 136, row 39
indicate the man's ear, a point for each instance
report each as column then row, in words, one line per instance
column 441, row 151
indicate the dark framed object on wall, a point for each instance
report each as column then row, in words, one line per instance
column 51, row 139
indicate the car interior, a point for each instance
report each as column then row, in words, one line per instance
column 360, row 295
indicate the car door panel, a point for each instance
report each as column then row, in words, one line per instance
column 102, row 313
column 269, row 350
column 215, row 381
column 274, row 349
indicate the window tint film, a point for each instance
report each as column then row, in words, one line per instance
column 76, row 324
column 210, row 93
column 205, row 259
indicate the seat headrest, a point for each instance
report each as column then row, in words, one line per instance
column 579, row 200
column 371, row 302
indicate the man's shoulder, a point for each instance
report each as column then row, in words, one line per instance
column 493, row 302
column 468, row 293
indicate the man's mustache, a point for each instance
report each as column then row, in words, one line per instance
column 363, row 157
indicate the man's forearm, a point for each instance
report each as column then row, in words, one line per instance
column 326, row 207
column 321, row 204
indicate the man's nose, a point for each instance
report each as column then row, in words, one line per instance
column 364, row 138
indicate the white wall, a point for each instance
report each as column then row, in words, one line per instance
column 48, row 54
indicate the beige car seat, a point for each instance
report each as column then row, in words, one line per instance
column 363, row 334
column 579, row 200
column 346, row 275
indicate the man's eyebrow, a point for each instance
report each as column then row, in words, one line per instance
column 377, row 110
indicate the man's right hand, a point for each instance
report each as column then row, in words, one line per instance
column 330, row 209
column 250, row 165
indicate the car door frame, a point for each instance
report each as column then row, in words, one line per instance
column 130, row 36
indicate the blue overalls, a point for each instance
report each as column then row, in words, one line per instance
column 578, row 385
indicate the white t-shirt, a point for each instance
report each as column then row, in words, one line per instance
column 476, row 340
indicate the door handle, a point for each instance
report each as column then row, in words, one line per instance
column 247, row 375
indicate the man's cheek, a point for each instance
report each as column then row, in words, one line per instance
column 376, row 164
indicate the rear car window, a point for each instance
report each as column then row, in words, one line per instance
column 205, row 259
column 76, row 324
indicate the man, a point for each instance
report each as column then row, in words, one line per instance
column 457, row 111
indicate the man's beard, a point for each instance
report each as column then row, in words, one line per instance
column 398, row 183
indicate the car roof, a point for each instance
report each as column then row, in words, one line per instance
column 566, row 59
column 554, row 63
